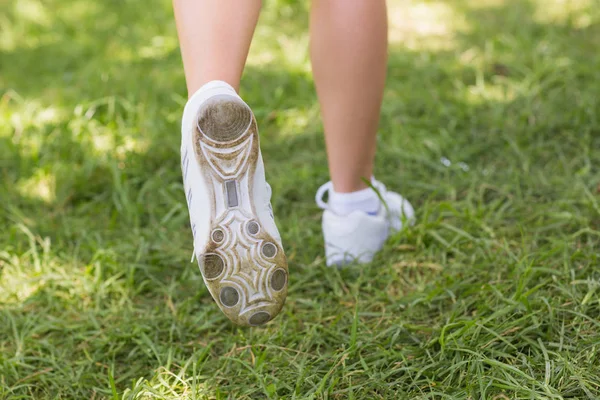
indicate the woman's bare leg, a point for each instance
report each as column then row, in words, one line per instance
column 215, row 37
column 349, row 57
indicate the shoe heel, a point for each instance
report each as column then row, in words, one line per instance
column 224, row 118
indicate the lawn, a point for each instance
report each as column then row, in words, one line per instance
column 490, row 126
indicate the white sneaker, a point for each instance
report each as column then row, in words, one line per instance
column 236, row 242
column 359, row 235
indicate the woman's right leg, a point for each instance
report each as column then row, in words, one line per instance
column 215, row 37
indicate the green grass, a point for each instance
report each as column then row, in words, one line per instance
column 490, row 127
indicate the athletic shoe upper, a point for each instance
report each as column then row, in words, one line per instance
column 358, row 236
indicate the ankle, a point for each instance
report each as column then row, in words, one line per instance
column 344, row 203
column 214, row 86
column 204, row 84
column 207, row 90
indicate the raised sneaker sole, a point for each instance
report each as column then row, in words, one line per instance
column 243, row 266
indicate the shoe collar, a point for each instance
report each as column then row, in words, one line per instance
column 377, row 186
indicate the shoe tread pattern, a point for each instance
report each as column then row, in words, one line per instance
column 244, row 268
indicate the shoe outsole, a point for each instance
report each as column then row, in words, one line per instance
column 244, row 268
